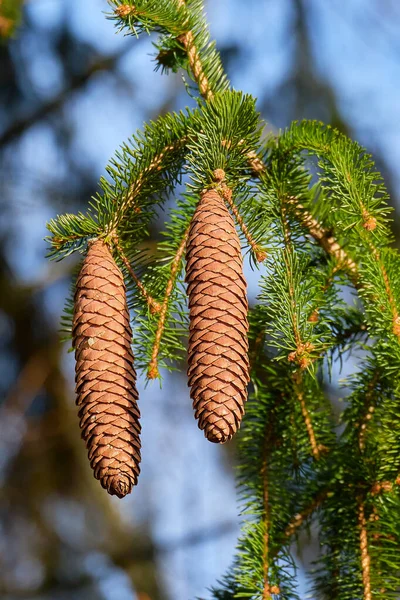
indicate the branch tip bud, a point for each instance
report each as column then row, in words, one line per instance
column 124, row 10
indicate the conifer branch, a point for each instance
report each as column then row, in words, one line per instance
column 196, row 64
column 388, row 289
column 264, row 477
column 153, row 371
column 259, row 253
column 365, row 557
column 154, row 306
column 187, row 26
column 302, row 352
column 136, row 187
column 315, row 447
column 328, row 242
column 325, row 239
column 345, row 214
column 226, row 193
column 314, row 316
column 370, row 408
column 301, row 517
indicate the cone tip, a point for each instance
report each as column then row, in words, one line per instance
column 119, row 485
column 217, row 436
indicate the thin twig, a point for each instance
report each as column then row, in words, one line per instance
column 195, row 61
column 302, row 352
column 315, row 447
column 136, row 187
column 196, row 66
column 153, row 371
column 268, row 589
column 321, row 235
column 187, row 39
column 300, row 355
column 388, row 290
column 154, row 306
column 264, row 476
column 365, row 557
column 327, row 241
column 299, row 519
column 259, row 253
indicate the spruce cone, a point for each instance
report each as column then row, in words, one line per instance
column 105, row 376
column 218, row 346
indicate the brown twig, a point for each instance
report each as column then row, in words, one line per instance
column 321, row 235
column 268, row 589
column 136, row 187
column 388, row 290
column 226, row 193
column 302, row 353
column 264, row 476
column 195, row 63
column 154, row 306
column 255, row 162
column 259, row 253
column 153, row 371
column 315, row 447
column 365, row 557
column 188, row 41
column 327, row 241
column 299, row 519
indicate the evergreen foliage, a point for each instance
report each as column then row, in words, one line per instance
column 312, row 199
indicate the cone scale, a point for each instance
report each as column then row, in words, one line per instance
column 218, row 362
column 105, row 375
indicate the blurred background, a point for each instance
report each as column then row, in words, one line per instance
column 71, row 91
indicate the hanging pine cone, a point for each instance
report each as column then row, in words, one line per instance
column 218, row 346
column 105, row 375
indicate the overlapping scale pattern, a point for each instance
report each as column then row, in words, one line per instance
column 218, row 344
column 105, row 375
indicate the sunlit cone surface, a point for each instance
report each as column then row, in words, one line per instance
column 218, row 345
column 105, row 375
